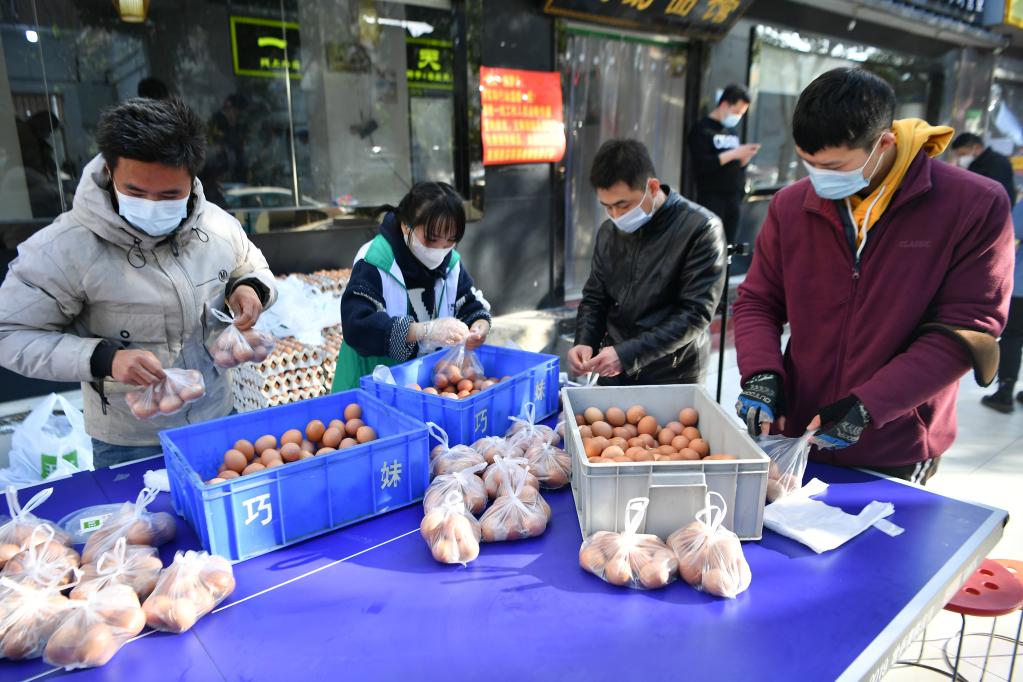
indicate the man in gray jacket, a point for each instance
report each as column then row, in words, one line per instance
column 123, row 284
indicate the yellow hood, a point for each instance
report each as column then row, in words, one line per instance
column 911, row 135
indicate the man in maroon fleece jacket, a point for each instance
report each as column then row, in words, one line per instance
column 893, row 273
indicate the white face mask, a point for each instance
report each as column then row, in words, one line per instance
column 155, row 218
column 965, row 161
column 731, row 120
column 634, row 218
column 431, row 258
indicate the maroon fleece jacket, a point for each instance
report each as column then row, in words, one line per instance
column 941, row 252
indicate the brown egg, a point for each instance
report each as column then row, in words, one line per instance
column 308, row 446
column 602, row 429
column 314, row 430
column 336, row 424
column 647, row 425
column 324, row 451
column 290, row 452
column 292, row 436
column 347, row 443
column 632, row 429
column 246, row 448
column 623, row 459
column 464, row 394
column 689, row 454
column 353, row 411
column 170, row 403
column 613, row 451
column 431, row 390
column 620, row 432
column 700, row 446
column 585, row 432
column 464, row 385
column 636, row 442
column 580, row 420
column 645, row 456
column 591, row 447
column 235, row 461
column 270, row 455
column 264, row 442
column 615, row 416
column 691, row 432
column 353, row 426
column 228, row 475
column 633, row 451
column 214, row 481
column 274, row 464
column 601, row 442
column 253, row 468
column 440, row 381
column 665, row 436
column 454, row 375
column 97, row 645
column 365, row 434
column 721, row 456
column 648, row 440
column 635, row 413
column 676, row 427
column 679, row 442
column 689, row 417
column 666, row 450
column 620, row 442
column 332, row 437
column 592, row 414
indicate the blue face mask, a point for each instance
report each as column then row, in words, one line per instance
column 731, row 120
column 833, row 184
column 634, row 218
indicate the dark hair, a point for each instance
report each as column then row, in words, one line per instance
column 625, row 161
column 966, row 140
column 843, row 107
column 434, row 205
column 734, row 94
column 153, row 131
column 153, row 88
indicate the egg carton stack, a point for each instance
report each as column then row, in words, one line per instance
column 328, row 281
column 331, row 345
column 292, row 372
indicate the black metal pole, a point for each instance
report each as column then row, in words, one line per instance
column 737, row 250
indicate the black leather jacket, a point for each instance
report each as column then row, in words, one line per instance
column 652, row 294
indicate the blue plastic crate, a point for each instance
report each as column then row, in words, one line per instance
column 534, row 378
column 259, row 513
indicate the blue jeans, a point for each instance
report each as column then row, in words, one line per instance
column 106, row 455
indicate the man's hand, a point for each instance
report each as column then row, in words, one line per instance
column 746, row 152
column 578, row 358
column 137, row 368
column 247, row 307
column 845, row 422
column 477, row 334
column 761, row 403
column 605, row 363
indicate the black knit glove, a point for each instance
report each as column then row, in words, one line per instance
column 762, row 400
column 842, row 423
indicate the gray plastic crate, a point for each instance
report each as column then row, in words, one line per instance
column 676, row 489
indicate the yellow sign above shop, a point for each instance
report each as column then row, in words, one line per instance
column 265, row 48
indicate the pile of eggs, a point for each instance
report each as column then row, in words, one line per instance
column 317, row 438
column 626, row 436
column 452, row 381
column 167, row 397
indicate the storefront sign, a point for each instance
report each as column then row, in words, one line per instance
column 522, row 119
column 1014, row 13
column 265, row 48
column 966, row 10
column 430, row 63
column 697, row 17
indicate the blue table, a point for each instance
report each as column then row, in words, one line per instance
column 368, row 602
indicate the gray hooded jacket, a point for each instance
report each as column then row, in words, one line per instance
column 91, row 276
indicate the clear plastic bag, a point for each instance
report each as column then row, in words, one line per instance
column 137, row 566
column 28, row 616
column 518, row 515
column 491, row 446
column 80, row 524
column 234, row 347
column 788, row 463
column 504, row 475
column 630, row 559
column 465, row 482
column 167, row 397
column 43, row 560
column 451, row 532
column 526, row 433
column 457, row 365
column 134, row 523
column 551, row 465
column 187, row 590
column 18, row 527
column 93, row 629
column 709, row 555
column 447, row 459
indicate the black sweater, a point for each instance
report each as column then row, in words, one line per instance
column 707, row 140
column 365, row 323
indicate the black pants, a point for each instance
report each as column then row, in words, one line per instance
column 726, row 206
column 1011, row 343
column 919, row 473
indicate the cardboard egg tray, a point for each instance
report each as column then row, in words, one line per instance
column 328, row 281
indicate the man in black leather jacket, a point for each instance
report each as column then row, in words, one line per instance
column 656, row 279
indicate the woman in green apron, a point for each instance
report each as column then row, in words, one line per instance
column 409, row 293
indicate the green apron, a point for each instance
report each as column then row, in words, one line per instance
column 351, row 366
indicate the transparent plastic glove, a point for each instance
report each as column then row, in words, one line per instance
column 446, row 331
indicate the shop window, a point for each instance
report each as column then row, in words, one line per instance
column 317, row 111
column 1005, row 123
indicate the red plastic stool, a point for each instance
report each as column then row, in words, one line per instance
column 995, row 589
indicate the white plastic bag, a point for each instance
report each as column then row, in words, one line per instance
column 447, row 459
column 788, row 462
column 134, row 523
column 234, row 347
column 82, row 523
column 491, row 446
column 28, row 616
column 465, row 482
column 187, row 590
column 93, row 629
column 504, row 475
column 46, row 444
column 520, row 514
column 552, row 466
column 137, row 566
column 709, row 555
column 43, row 560
column 18, row 528
column 382, row 373
column 629, row 559
column 526, row 433
column 451, row 532
column 167, row 397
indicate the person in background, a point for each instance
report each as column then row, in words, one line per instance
column 969, row 152
column 892, row 272
column 720, row 158
column 409, row 293
column 1010, row 345
column 656, row 277
column 120, row 287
